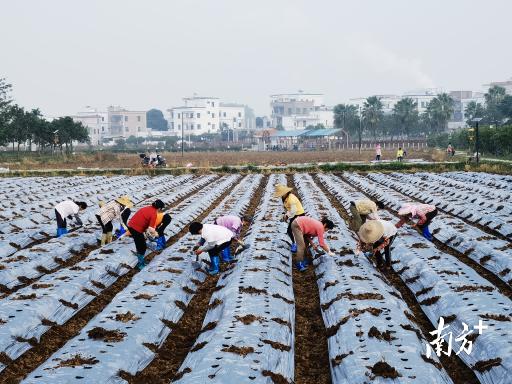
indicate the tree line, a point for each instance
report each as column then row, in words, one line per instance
column 19, row 126
column 405, row 120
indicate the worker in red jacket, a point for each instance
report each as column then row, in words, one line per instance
column 144, row 220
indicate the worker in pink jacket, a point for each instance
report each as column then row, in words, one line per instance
column 234, row 224
column 424, row 213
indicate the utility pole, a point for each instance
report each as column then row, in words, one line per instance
column 182, row 134
column 477, row 139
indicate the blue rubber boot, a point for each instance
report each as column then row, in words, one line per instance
column 301, row 267
column 294, row 248
column 426, row 233
column 214, row 267
column 226, row 255
column 61, row 231
column 160, row 243
column 142, row 263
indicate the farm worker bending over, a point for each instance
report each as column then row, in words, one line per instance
column 361, row 211
column 144, row 220
column 234, row 224
column 425, row 213
column 304, row 229
column 293, row 208
column 377, row 235
column 116, row 209
column 214, row 239
column 66, row 210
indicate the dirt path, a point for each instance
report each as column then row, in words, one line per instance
column 458, row 371
column 502, row 286
column 175, row 349
column 311, row 351
column 59, row 335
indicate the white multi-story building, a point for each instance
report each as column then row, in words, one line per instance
column 299, row 110
column 201, row 115
column 116, row 123
column 507, row 84
column 421, row 97
column 97, row 124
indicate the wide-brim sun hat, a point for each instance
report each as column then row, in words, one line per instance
column 281, row 190
column 365, row 207
column 125, row 200
column 371, row 231
column 407, row 209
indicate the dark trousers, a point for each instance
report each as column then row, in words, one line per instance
column 140, row 241
column 61, row 222
column 289, row 229
column 215, row 251
column 377, row 157
column 108, row 227
column 430, row 216
column 387, row 252
column 165, row 222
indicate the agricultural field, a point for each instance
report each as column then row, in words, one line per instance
column 72, row 311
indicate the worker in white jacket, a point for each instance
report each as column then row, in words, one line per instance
column 66, row 210
column 214, row 239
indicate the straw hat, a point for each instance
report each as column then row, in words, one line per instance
column 365, row 207
column 371, row 231
column 125, row 200
column 281, row 190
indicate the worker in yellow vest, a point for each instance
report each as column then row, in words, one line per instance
column 293, row 208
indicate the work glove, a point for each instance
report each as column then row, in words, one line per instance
column 285, row 217
column 195, row 247
column 331, row 253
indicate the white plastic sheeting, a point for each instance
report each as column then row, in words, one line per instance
column 470, row 205
column 251, row 308
column 155, row 297
column 61, row 295
column 356, row 301
column 444, row 286
column 33, row 262
column 492, row 253
column 502, row 182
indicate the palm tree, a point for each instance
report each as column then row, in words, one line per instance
column 493, row 98
column 473, row 110
column 372, row 114
column 406, row 114
column 346, row 118
column 440, row 109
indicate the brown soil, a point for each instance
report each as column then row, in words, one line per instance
column 170, row 356
column 386, row 336
column 493, row 316
column 39, row 286
column 252, row 291
column 385, row 370
column 76, row 361
column 143, row 296
column 275, row 377
column 25, row 297
column 278, row 296
column 248, row 319
column 338, row 359
column 430, row 301
column 58, row 335
column 431, row 361
column 242, row 351
column 473, row 288
column 419, row 246
column 208, row 158
column 311, row 351
column 106, row 335
column 486, row 365
column 277, row 345
column 126, row 317
column 350, row 296
column 456, row 369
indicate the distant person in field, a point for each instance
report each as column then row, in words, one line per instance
column 66, row 210
column 145, row 221
column 378, row 152
column 293, row 208
column 424, row 213
column 377, row 236
column 450, row 151
column 363, row 210
column 304, row 229
column 400, row 154
column 214, row 239
column 234, row 224
column 116, row 209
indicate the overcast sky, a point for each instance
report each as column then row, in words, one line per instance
column 62, row 55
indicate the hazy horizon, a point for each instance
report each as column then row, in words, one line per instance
column 61, row 56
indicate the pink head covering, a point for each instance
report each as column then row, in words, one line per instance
column 407, row 209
